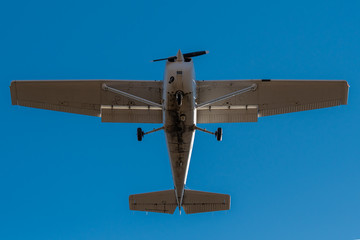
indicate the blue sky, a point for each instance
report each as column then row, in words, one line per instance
column 293, row 176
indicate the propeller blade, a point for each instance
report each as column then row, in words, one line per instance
column 163, row 59
column 195, row 54
column 186, row 55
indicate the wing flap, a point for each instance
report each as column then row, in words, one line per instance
column 125, row 114
column 231, row 114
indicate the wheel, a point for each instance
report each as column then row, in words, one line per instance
column 218, row 134
column 179, row 97
column 140, row 134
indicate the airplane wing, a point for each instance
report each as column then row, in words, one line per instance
column 88, row 97
column 270, row 97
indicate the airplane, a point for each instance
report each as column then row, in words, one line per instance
column 180, row 103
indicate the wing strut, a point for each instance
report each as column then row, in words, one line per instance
column 244, row 90
column 107, row 88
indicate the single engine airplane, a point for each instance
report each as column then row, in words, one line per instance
column 179, row 102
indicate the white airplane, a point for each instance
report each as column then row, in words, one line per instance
column 179, row 103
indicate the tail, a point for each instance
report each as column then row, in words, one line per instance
column 193, row 202
column 197, row 202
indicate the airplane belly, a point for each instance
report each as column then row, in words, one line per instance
column 179, row 121
column 180, row 138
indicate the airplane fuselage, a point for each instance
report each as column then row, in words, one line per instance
column 183, row 103
column 179, row 117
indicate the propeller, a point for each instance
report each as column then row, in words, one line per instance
column 185, row 55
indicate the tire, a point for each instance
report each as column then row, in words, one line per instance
column 140, row 134
column 179, row 97
column 218, row 134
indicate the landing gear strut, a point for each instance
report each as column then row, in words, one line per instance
column 218, row 134
column 140, row 134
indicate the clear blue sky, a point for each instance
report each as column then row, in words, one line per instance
column 294, row 176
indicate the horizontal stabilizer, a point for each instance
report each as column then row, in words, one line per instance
column 161, row 202
column 197, row 202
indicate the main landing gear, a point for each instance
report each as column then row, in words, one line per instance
column 218, row 134
column 140, row 134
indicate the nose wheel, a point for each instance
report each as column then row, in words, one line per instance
column 179, row 95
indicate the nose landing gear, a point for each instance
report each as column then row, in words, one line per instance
column 179, row 95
